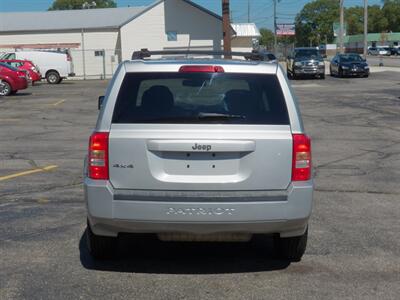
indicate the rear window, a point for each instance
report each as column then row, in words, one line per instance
column 200, row 98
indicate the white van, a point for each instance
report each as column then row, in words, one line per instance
column 54, row 66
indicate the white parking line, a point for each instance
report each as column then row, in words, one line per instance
column 58, row 102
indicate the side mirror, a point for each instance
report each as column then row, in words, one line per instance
column 100, row 103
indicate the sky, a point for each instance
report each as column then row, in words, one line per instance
column 261, row 11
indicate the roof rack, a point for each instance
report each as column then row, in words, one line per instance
column 145, row 53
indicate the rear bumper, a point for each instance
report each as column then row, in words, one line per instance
column 283, row 212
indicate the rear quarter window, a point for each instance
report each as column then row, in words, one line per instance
column 182, row 98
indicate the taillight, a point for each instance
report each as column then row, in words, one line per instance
column 301, row 164
column 69, row 58
column 98, row 156
column 201, row 69
column 21, row 74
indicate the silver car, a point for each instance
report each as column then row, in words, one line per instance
column 199, row 150
column 379, row 51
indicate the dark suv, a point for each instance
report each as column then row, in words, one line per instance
column 305, row 62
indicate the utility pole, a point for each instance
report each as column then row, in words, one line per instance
column 226, row 27
column 275, row 37
column 365, row 28
column 341, row 29
column 248, row 11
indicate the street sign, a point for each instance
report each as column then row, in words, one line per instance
column 336, row 29
column 285, row 29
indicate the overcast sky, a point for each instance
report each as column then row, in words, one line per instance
column 260, row 10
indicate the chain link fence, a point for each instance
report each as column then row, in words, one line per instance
column 95, row 63
column 102, row 63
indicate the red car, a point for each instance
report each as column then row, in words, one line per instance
column 30, row 67
column 12, row 79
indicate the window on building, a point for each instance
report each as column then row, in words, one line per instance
column 99, row 53
column 172, row 36
column 9, row 56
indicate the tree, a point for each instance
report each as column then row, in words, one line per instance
column 391, row 11
column 354, row 17
column 379, row 19
column 314, row 22
column 377, row 22
column 267, row 37
column 79, row 4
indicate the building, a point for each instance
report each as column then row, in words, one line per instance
column 246, row 37
column 355, row 43
column 98, row 39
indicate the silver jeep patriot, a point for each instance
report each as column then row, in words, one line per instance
column 199, row 150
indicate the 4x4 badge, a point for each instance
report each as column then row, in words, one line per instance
column 123, row 166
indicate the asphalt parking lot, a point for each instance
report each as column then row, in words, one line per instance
column 354, row 239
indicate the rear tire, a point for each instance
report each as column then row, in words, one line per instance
column 53, row 77
column 100, row 247
column 5, row 89
column 291, row 248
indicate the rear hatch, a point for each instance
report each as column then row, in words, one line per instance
column 200, row 129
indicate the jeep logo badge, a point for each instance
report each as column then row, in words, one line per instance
column 201, row 147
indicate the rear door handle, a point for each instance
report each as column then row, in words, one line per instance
column 201, row 145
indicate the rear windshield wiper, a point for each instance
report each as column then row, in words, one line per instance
column 204, row 115
column 191, row 119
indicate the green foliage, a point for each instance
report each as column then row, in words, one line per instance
column 267, row 37
column 377, row 21
column 391, row 11
column 78, row 4
column 314, row 22
column 354, row 17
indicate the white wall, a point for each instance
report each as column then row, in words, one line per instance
column 195, row 28
column 94, row 40
column 242, row 44
column 100, row 40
